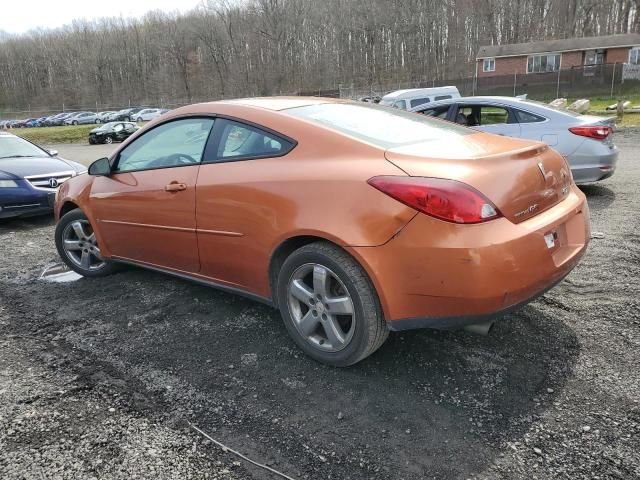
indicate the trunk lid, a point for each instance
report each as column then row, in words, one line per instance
column 521, row 178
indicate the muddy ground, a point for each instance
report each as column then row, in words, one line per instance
column 100, row 378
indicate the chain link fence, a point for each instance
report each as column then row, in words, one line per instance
column 604, row 81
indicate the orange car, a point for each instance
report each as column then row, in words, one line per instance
column 351, row 218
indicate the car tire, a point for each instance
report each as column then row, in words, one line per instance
column 337, row 339
column 75, row 122
column 98, row 121
column 76, row 245
column 139, row 119
column 108, row 139
column 92, row 141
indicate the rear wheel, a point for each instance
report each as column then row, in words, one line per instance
column 75, row 122
column 78, row 248
column 108, row 139
column 329, row 305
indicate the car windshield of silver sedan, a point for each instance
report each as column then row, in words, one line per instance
column 12, row 147
column 381, row 126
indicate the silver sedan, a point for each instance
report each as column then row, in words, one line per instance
column 584, row 140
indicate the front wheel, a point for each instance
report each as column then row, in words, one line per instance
column 78, row 248
column 75, row 122
column 329, row 305
column 108, row 140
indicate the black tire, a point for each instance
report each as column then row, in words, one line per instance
column 108, row 139
column 370, row 329
column 74, row 215
column 75, row 122
column 91, row 141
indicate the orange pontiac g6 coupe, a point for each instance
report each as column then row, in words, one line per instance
column 352, row 219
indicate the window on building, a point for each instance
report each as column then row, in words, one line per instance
column 634, row 56
column 543, row 63
column 489, row 65
column 594, row 57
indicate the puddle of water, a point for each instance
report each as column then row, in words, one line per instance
column 59, row 273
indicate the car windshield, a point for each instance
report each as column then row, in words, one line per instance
column 17, row 147
column 381, row 126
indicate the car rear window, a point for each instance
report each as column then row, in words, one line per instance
column 381, row 126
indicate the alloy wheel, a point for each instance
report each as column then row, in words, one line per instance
column 108, row 140
column 321, row 307
column 80, row 246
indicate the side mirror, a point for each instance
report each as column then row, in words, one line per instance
column 100, row 168
column 53, row 153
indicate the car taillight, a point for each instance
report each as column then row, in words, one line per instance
column 599, row 132
column 447, row 200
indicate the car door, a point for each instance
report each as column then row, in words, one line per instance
column 231, row 216
column 119, row 132
column 145, row 210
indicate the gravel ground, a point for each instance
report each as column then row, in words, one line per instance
column 99, row 378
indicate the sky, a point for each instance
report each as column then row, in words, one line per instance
column 20, row 16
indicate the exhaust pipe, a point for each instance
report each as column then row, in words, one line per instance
column 479, row 328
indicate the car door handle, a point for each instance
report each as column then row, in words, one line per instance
column 175, row 187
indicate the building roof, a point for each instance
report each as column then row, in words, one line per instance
column 565, row 45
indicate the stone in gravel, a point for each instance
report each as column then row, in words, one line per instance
column 249, row 359
column 549, row 390
column 537, row 451
column 586, row 428
column 340, row 415
column 597, row 235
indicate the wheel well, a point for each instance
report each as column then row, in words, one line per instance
column 67, row 207
column 280, row 255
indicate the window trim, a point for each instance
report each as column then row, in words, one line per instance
column 185, row 117
column 484, row 64
column 631, row 50
column 216, row 135
column 547, row 54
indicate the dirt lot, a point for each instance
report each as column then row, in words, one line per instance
column 99, row 378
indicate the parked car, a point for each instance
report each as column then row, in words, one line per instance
column 408, row 99
column 81, row 118
column 59, row 119
column 30, row 176
column 147, row 114
column 103, row 117
column 34, row 122
column 112, row 132
column 584, row 140
column 351, row 218
column 126, row 114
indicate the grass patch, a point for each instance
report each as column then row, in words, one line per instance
column 53, row 135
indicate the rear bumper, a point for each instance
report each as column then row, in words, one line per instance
column 440, row 275
column 587, row 167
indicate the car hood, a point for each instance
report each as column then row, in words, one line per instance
column 24, row 167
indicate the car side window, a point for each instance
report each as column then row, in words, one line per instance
column 442, row 97
column 482, row 115
column 118, row 127
column 398, row 104
column 418, row 101
column 526, row 117
column 241, row 141
column 172, row 144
